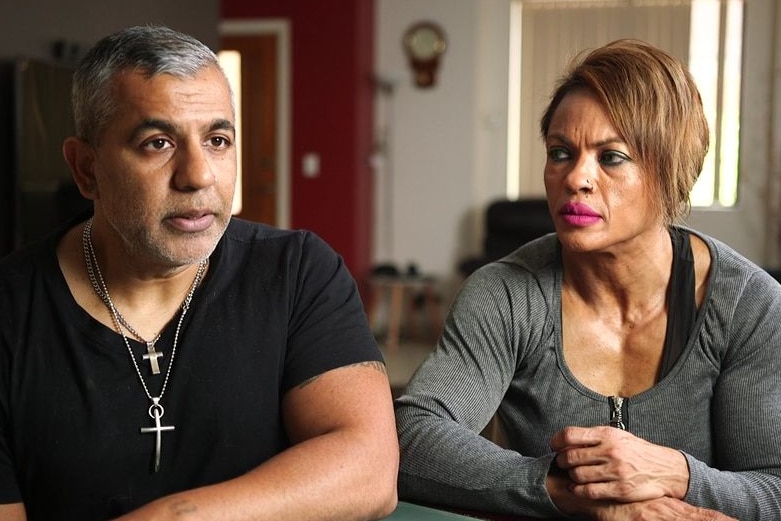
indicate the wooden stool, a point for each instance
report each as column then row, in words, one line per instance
column 400, row 292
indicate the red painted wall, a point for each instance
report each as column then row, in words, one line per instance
column 332, row 115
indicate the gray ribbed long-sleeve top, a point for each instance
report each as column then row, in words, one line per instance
column 501, row 352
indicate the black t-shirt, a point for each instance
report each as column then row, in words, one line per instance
column 276, row 308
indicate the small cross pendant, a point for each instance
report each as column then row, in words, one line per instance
column 152, row 356
column 156, row 412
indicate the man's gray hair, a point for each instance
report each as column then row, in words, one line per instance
column 148, row 49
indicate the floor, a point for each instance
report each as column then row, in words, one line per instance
column 404, row 360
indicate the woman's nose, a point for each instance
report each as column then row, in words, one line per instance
column 582, row 175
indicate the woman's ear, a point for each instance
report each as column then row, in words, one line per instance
column 80, row 157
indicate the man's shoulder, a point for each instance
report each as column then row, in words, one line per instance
column 249, row 245
column 244, row 231
column 26, row 258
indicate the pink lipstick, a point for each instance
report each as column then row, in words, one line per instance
column 579, row 214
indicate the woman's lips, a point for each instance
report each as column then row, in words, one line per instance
column 578, row 214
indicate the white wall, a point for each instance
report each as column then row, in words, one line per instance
column 447, row 145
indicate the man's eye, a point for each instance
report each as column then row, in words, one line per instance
column 558, row 154
column 219, row 142
column 612, row 157
column 157, row 144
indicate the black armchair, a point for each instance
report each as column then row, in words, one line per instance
column 509, row 224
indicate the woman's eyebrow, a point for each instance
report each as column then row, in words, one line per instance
column 602, row 142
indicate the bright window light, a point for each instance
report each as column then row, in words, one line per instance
column 230, row 61
column 715, row 63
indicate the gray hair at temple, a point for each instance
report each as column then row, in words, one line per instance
column 149, row 49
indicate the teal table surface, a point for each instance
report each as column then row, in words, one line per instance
column 410, row 512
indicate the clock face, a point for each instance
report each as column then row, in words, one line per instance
column 424, row 42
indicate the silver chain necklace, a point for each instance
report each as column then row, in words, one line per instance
column 101, row 290
column 156, row 410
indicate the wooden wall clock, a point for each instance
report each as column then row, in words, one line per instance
column 424, row 43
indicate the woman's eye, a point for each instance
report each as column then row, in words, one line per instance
column 558, row 154
column 612, row 157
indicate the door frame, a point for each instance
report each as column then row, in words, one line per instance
column 281, row 29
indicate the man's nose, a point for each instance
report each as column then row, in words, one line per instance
column 193, row 168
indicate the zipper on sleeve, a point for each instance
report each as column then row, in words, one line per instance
column 617, row 410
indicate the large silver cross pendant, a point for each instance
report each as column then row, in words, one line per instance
column 156, row 412
column 152, row 356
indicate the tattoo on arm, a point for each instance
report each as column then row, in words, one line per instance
column 379, row 366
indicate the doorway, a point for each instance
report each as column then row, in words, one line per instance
column 264, row 50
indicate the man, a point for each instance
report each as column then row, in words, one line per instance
column 159, row 360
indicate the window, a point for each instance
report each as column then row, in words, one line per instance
column 706, row 34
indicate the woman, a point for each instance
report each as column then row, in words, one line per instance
column 632, row 363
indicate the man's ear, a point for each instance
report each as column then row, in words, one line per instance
column 80, row 157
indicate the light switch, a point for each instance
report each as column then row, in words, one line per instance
column 310, row 164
